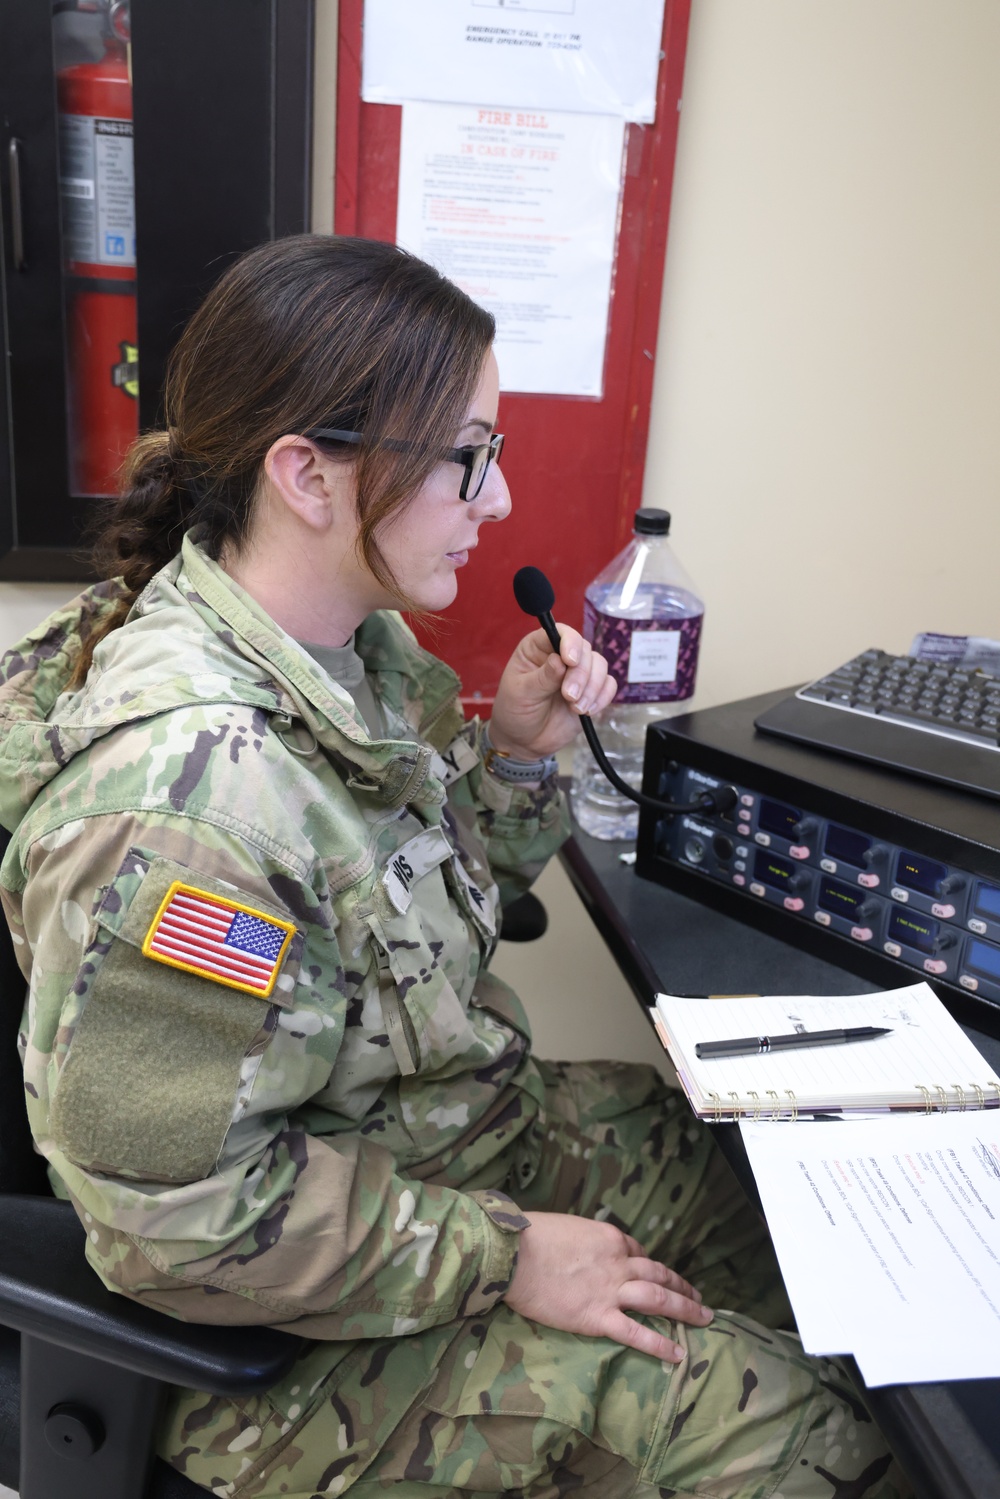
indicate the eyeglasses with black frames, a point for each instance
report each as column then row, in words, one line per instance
column 474, row 460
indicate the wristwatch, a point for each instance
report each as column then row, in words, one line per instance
column 500, row 764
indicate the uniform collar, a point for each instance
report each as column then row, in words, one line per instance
column 414, row 685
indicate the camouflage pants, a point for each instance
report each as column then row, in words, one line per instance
column 514, row 1406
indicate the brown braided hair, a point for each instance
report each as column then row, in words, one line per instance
column 309, row 331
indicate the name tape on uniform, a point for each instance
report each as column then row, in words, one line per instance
column 410, row 862
column 218, row 939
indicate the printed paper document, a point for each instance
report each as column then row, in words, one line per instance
column 888, row 1235
column 520, row 209
column 581, row 55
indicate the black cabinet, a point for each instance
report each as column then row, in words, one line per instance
column 220, row 96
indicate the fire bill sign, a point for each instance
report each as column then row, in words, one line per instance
column 520, row 208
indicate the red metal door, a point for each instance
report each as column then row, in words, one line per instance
column 574, row 465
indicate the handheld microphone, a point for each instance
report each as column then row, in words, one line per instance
column 535, row 595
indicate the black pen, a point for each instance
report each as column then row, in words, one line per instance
column 745, row 1046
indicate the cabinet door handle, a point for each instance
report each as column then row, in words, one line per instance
column 16, row 212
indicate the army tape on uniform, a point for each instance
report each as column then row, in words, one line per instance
column 457, row 760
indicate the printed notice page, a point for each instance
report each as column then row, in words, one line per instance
column 887, row 1231
column 580, row 55
column 520, row 209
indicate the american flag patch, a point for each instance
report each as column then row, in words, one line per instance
column 218, row 939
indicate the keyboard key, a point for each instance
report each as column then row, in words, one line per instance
column 971, row 732
column 929, row 698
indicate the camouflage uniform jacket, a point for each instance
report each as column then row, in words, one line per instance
column 327, row 1157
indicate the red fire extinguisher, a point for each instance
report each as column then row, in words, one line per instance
column 98, row 223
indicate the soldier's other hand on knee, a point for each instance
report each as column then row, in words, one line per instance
column 585, row 1277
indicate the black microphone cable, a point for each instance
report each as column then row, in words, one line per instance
column 536, row 596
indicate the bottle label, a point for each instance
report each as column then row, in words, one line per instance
column 653, row 655
column 653, row 661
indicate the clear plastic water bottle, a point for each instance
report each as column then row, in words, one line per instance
column 643, row 614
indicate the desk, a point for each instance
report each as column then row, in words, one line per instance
column 947, row 1436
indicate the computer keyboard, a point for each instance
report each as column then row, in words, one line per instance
column 941, row 699
column 927, row 718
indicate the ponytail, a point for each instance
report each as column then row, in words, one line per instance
column 144, row 528
column 139, row 531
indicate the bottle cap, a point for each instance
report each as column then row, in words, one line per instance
column 650, row 522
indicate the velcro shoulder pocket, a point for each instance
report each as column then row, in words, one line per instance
column 154, row 1067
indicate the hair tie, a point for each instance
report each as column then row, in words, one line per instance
column 190, row 487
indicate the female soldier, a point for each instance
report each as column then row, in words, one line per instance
column 256, row 881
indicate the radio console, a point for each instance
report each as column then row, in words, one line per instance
column 886, row 874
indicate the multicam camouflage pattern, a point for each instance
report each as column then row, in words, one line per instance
column 516, row 1407
column 337, row 1160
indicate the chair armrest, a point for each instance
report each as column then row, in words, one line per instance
column 48, row 1291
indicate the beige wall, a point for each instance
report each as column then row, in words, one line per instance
column 825, row 420
column 324, row 114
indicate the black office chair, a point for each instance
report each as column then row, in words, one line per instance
column 524, row 920
column 83, row 1371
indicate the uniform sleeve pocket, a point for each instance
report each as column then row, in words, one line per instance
column 148, row 1087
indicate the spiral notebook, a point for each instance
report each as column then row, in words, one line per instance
column 925, row 1064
